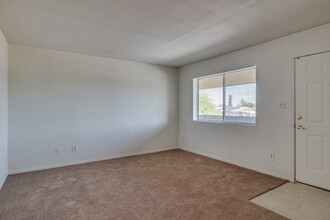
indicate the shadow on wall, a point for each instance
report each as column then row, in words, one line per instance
column 103, row 109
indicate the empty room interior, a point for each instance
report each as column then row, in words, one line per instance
column 177, row 109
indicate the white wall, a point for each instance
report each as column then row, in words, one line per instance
column 244, row 145
column 108, row 108
column 3, row 109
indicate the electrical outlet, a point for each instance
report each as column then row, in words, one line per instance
column 271, row 156
column 282, row 104
column 74, row 149
column 182, row 141
column 57, row 150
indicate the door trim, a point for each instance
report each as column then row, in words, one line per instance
column 316, row 53
column 294, row 70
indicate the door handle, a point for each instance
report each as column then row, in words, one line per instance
column 300, row 127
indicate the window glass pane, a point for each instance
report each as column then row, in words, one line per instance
column 241, row 96
column 210, row 98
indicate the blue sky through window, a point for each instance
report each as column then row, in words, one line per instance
column 238, row 92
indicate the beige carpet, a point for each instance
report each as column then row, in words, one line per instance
column 297, row 201
column 168, row 185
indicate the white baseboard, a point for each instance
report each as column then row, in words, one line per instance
column 3, row 181
column 88, row 161
column 141, row 153
column 238, row 164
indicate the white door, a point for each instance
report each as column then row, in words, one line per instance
column 313, row 120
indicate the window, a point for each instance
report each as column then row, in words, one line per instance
column 228, row 97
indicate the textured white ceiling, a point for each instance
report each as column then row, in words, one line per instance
column 168, row 32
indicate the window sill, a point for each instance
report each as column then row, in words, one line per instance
column 226, row 122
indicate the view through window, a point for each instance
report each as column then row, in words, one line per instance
column 210, row 98
column 227, row 97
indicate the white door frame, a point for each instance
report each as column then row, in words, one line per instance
column 293, row 92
